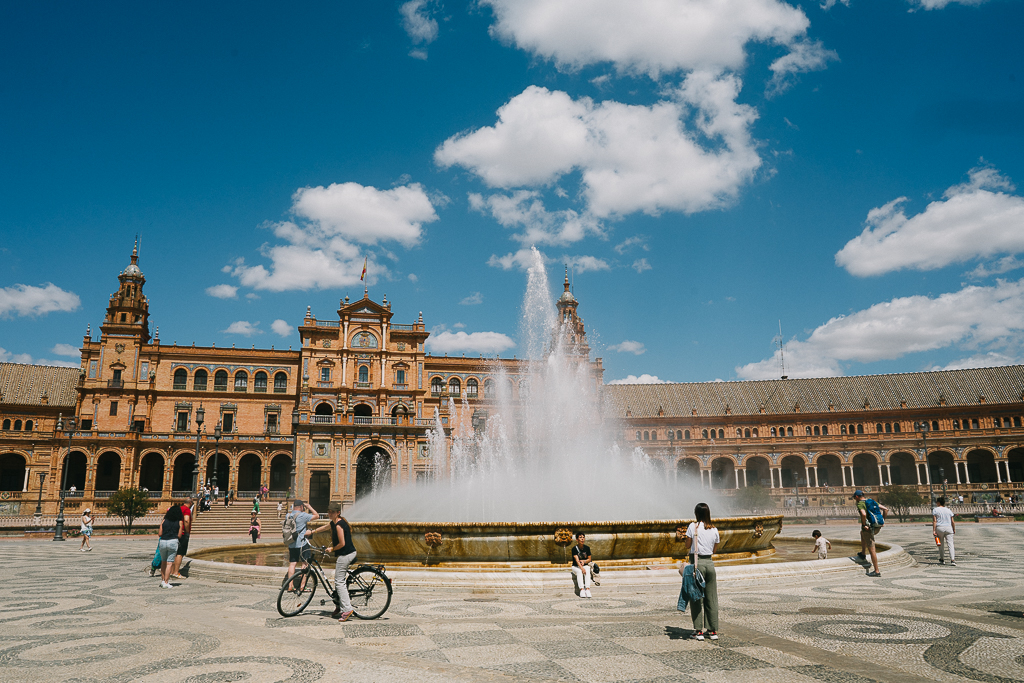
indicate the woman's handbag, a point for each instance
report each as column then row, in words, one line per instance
column 693, row 580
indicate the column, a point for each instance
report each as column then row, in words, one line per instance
column 771, row 474
column 736, row 472
column 881, row 476
column 382, row 362
column 956, row 470
column 999, row 472
column 344, row 335
column 967, row 474
column 807, row 475
column 927, row 472
column 711, row 484
column 344, row 367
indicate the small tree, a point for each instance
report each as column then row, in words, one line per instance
column 129, row 504
column 900, row 499
column 753, row 498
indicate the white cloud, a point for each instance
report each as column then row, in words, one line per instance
column 521, row 260
column 646, row 36
column 635, row 241
column 473, row 299
column 244, row 328
column 524, row 209
column 27, row 359
column 474, row 342
column 413, row 277
column 26, row 300
column 640, row 265
column 973, row 317
column 984, row 360
column 630, row 157
column 805, row 56
column 583, row 264
column 417, row 22
column 829, row 4
column 66, row 350
column 319, row 250
column 977, row 219
column 223, row 291
column 628, row 346
column 998, row 267
column 939, row 4
column 642, row 379
column 281, row 328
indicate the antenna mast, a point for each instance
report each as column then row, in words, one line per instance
column 782, row 354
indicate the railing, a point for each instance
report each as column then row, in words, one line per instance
column 244, row 495
column 327, row 323
column 277, row 495
column 220, row 387
column 399, row 387
column 154, row 494
column 102, row 494
column 280, row 390
column 375, row 420
column 398, row 326
column 324, row 385
column 363, row 385
column 259, row 389
column 74, row 494
column 322, row 419
column 115, row 384
column 180, row 387
column 181, row 494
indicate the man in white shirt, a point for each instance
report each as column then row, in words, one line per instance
column 944, row 528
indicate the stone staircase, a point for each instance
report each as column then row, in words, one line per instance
column 234, row 519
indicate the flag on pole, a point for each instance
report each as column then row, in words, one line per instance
column 363, row 276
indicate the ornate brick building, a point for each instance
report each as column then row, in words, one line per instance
column 351, row 409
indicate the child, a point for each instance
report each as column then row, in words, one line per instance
column 821, row 545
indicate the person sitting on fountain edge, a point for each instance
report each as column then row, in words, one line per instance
column 582, row 564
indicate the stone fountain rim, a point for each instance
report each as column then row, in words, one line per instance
column 631, row 524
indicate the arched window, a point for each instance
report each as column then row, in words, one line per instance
column 704, row 433
column 364, row 374
column 896, row 427
column 878, row 428
column 746, row 433
column 789, row 431
column 817, row 431
column 809, row 432
column 935, row 424
column 7, row 425
column 686, row 434
column 259, row 381
column 772, row 432
column 472, row 388
column 199, row 380
column 739, row 433
column 974, row 423
column 280, row 383
column 220, row 380
column 181, row 378
column 654, row 436
column 28, row 425
column 888, row 428
column 639, row 436
column 454, row 386
column 755, row 432
column 524, row 388
column 241, row 380
column 860, row 429
column 647, row 436
column 488, row 388
column 437, row 386
column 17, row 425
column 842, row 429
column 721, row 433
column 824, row 430
column 679, row 435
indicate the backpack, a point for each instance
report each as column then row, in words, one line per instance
column 288, row 531
column 874, row 513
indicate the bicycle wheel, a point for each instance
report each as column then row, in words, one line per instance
column 370, row 592
column 297, row 593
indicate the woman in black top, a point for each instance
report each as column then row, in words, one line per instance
column 170, row 531
column 345, row 552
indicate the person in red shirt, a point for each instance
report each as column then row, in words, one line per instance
column 186, row 510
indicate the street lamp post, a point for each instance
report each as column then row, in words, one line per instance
column 217, row 433
column 69, row 427
column 200, row 414
column 295, row 452
column 942, row 476
column 922, row 427
column 39, row 503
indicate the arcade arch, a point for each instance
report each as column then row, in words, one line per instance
column 181, row 480
column 829, row 470
column 688, row 469
column 280, row 472
column 222, row 463
column 373, row 471
column 865, row 470
column 723, row 473
column 151, row 472
column 250, row 474
column 981, row 467
column 941, row 466
column 758, row 472
column 12, row 472
column 75, row 471
column 903, row 469
column 793, row 471
column 108, row 472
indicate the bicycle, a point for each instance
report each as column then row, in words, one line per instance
column 369, row 588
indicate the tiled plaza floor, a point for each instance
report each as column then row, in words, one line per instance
column 71, row 616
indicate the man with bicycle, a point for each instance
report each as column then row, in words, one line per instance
column 298, row 549
column 345, row 554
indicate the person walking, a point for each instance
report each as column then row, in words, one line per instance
column 702, row 539
column 345, row 554
column 256, row 504
column 280, row 507
column 186, row 531
column 581, row 564
column 298, row 548
column 170, row 531
column 944, row 528
column 86, row 530
column 254, row 527
column 872, row 517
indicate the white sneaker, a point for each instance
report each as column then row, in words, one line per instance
column 164, row 584
column 583, row 594
column 588, row 593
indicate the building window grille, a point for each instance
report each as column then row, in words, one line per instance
column 772, row 432
column 182, row 423
column 364, row 374
column 280, row 383
column 809, row 432
column 113, row 408
column 454, row 386
column 17, row 425
column 272, row 423
column 789, row 431
column 437, row 386
column 654, row 436
column 181, row 378
column 974, row 423
column 935, row 424
column 220, row 380
column 399, row 376
column 896, row 427
column 488, row 388
column 199, row 380
column 241, row 380
column 638, row 435
column 824, row 430
column 28, row 425
column 1016, row 422
column 647, row 436
column 888, row 428
column 472, row 388
column 259, row 382
column 227, row 421
column 755, row 432
column 325, row 374
column 704, row 433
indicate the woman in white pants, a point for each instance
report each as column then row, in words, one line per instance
column 944, row 528
column 581, row 564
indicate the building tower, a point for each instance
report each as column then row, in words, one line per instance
column 128, row 310
column 570, row 323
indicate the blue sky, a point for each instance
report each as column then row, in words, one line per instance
column 706, row 168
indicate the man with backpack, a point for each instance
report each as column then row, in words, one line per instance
column 872, row 517
column 294, row 533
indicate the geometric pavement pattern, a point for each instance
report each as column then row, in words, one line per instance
column 71, row 616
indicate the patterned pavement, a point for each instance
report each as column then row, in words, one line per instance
column 71, row 616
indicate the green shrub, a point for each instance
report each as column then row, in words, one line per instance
column 899, row 500
column 129, row 504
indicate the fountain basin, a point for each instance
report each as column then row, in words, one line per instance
column 550, row 543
